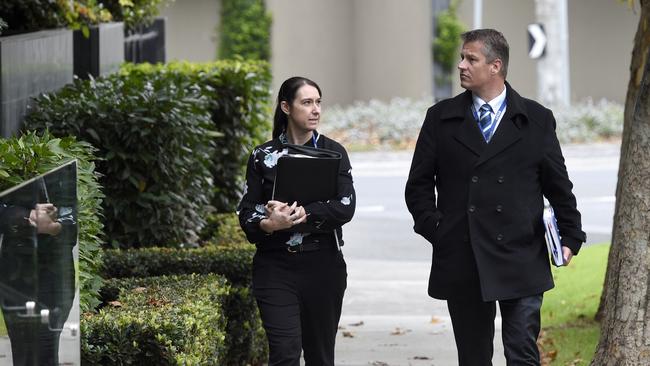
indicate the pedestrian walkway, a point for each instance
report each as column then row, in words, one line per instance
column 388, row 319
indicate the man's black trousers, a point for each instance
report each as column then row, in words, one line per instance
column 300, row 297
column 473, row 323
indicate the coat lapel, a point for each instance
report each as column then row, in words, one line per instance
column 467, row 133
column 506, row 134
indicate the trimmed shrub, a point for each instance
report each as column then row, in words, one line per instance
column 177, row 320
column 232, row 261
column 245, row 30
column 246, row 340
column 239, row 99
column 33, row 154
column 154, row 134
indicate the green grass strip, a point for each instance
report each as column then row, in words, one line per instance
column 570, row 334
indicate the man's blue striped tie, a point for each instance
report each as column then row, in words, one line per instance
column 485, row 120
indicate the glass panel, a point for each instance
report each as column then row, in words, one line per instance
column 39, row 296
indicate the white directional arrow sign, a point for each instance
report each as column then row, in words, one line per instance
column 537, row 39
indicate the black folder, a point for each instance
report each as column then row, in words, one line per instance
column 306, row 175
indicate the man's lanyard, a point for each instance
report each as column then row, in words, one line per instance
column 496, row 116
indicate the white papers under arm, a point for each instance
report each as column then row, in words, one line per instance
column 552, row 236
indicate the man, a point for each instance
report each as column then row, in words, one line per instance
column 490, row 155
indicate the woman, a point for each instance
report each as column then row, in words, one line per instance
column 298, row 277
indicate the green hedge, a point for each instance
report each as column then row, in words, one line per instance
column 239, row 98
column 245, row 30
column 233, row 262
column 246, row 340
column 24, row 157
column 154, row 135
column 177, row 320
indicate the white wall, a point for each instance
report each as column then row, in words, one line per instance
column 601, row 34
column 354, row 49
column 192, row 29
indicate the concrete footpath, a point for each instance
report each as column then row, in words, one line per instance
column 388, row 319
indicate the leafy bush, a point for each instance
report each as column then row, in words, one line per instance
column 154, row 134
column 33, row 154
column 446, row 45
column 246, row 340
column 376, row 124
column 134, row 13
column 177, row 320
column 223, row 229
column 80, row 15
column 589, row 121
column 31, row 15
column 245, row 30
column 238, row 94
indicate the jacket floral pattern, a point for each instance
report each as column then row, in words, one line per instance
column 326, row 218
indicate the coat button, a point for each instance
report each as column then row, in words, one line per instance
column 471, row 208
column 499, row 237
column 499, row 208
column 500, row 179
column 474, row 179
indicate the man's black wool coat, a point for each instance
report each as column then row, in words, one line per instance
column 485, row 224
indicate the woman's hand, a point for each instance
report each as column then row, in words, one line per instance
column 281, row 215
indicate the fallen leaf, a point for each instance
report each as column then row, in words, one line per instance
column 348, row 334
column 115, row 304
column 139, row 290
column 547, row 350
column 399, row 331
column 421, row 358
column 379, row 363
column 358, row 324
column 576, row 362
column 435, row 320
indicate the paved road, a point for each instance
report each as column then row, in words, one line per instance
column 388, row 265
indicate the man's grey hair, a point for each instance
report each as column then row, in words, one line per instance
column 495, row 46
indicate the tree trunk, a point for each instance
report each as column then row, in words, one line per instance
column 639, row 56
column 625, row 327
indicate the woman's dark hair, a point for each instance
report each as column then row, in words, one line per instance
column 287, row 94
